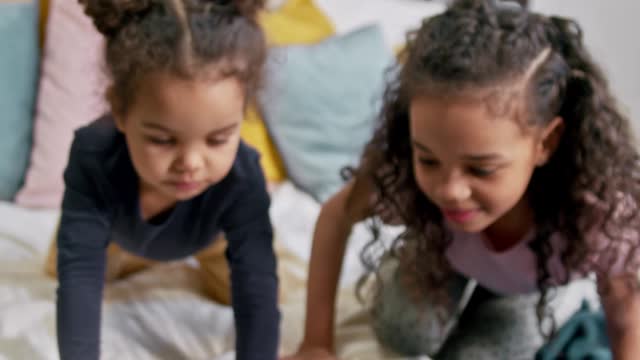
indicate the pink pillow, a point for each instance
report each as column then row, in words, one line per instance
column 71, row 94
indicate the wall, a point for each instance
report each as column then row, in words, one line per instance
column 611, row 33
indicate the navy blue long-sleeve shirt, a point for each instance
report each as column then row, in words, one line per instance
column 101, row 204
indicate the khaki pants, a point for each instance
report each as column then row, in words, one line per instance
column 120, row 263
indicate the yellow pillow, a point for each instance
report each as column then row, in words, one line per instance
column 296, row 22
column 44, row 13
column 254, row 133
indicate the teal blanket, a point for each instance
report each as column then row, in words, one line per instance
column 582, row 337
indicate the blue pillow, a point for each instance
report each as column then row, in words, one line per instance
column 18, row 85
column 320, row 103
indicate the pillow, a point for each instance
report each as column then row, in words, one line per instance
column 274, row 4
column 44, row 12
column 254, row 133
column 320, row 102
column 295, row 22
column 18, row 71
column 70, row 95
column 72, row 90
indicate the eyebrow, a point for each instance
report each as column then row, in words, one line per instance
column 471, row 157
column 156, row 126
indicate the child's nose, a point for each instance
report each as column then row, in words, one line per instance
column 453, row 190
column 189, row 161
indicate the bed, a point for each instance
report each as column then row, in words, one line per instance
column 161, row 313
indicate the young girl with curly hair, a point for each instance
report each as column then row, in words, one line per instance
column 503, row 153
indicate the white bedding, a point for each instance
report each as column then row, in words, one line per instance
column 160, row 313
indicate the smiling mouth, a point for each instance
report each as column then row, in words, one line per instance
column 185, row 185
column 459, row 216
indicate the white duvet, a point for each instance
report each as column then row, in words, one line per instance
column 160, row 313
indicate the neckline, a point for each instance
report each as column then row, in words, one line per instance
column 485, row 243
column 166, row 218
column 524, row 240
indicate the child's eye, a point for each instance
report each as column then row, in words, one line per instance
column 160, row 141
column 481, row 172
column 428, row 162
column 217, row 141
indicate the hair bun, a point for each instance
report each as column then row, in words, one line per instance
column 109, row 16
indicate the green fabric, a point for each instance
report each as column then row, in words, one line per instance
column 583, row 337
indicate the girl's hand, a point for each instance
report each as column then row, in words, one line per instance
column 315, row 353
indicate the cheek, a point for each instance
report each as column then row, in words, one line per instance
column 510, row 184
column 149, row 159
column 221, row 160
column 504, row 192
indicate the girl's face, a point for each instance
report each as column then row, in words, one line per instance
column 476, row 166
column 183, row 135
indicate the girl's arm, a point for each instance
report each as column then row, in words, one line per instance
column 254, row 283
column 622, row 308
column 82, row 239
column 333, row 227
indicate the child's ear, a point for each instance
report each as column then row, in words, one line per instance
column 115, row 109
column 549, row 140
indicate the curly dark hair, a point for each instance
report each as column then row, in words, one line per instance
column 591, row 184
column 182, row 37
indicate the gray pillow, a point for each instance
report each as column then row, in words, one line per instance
column 320, row 102
column 19, row 59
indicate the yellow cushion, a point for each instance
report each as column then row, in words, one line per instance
column 254, row 133
column 44, row 12
column 296, row 22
